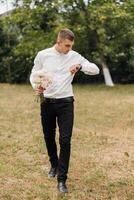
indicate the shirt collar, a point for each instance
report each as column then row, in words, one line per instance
column 58, row 53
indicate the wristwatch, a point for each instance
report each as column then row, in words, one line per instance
column 80, row 67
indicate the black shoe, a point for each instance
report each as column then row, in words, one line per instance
column 52, row 172
column 62, row 187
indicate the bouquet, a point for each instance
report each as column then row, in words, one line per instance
column 41, row 79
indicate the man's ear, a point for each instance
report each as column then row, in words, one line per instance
column 59, row 40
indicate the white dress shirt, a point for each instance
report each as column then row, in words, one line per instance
column 58, row 65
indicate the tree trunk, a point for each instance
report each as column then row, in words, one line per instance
column 107, row 76
column 106, row 72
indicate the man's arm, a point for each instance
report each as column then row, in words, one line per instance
column 85, row 66
column 37, row 66
column 88, row 67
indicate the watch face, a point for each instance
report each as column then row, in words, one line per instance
column 80, row 67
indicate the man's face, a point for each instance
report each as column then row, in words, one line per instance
column 65, row 45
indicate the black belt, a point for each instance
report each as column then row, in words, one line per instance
column 53, row 100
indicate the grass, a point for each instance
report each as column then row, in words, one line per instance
column 102, row 158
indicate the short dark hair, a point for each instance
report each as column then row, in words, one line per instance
column 66, row 34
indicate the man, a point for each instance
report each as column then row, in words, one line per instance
column 57, row 108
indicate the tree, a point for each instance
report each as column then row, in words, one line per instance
column 7, row 42
column 101, row 23
column 105, row 32
column 35, row 30
column 2, row 52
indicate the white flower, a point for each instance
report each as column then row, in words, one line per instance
column 42, row 79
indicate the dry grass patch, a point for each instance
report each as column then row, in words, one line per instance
column 102, row 159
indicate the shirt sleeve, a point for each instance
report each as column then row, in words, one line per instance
column 37, row 66
column 88, row 67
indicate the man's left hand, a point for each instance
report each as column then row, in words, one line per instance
column 74, row 68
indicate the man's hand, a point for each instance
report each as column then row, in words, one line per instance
column 39, row 90
column 74, row 68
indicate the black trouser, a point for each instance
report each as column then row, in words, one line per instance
column 61, row 110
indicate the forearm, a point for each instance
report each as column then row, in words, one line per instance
column 89, row 68
column 31, row 81
column 37, row 66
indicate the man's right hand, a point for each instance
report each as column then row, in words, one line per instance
column 39, row 90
